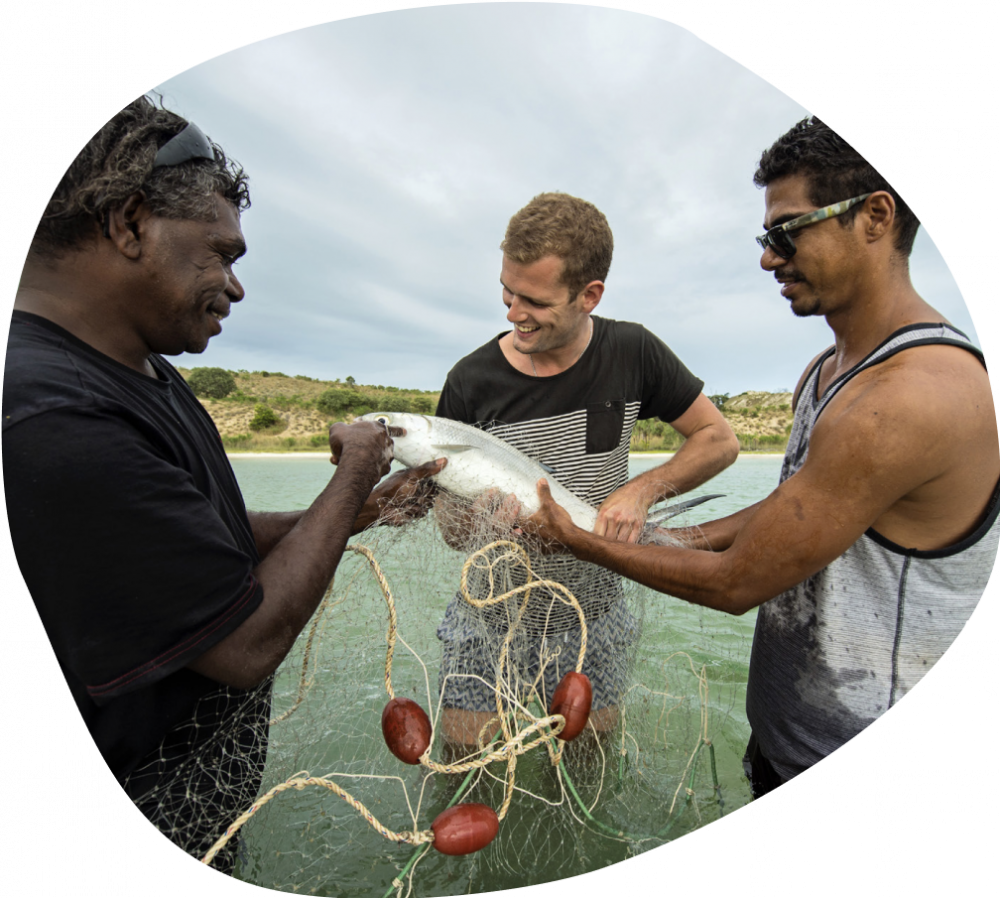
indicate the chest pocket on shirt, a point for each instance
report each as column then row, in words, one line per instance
column 605, row 420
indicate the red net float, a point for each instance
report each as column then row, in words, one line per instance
column 406, row 729
column 572, row 699
column 465, row 828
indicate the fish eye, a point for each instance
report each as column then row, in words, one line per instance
column 383, row 419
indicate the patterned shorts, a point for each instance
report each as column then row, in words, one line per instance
column 469, row 659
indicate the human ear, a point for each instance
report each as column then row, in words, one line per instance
column 880, row 209
column 126, row 225
column 591, row 295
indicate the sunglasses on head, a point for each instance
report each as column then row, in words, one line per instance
column 779, row 238
column 187, row 144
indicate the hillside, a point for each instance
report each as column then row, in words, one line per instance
column 760, row 420
column 273, row 411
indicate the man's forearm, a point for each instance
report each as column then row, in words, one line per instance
column 704, row 454
column 294, row 575
column 717, row 535
column 270, row 527
column 699, row 577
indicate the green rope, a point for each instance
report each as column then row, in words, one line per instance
column 715, row 781
column 617, row 833
column 458, row 794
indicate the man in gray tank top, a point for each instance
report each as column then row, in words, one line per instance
column 873, row 551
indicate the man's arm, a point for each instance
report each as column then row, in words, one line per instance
column 872, row 448
column 399, row 498
column 717, row 535
column 299, row 566
column 709, row 447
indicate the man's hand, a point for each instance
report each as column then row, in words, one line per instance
column 622, row 516
column 402, row 497
column 551, row 525
column 492, row 514
column 364, row 438
column 497, row 511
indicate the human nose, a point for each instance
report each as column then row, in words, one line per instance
column 234, row 289
column 515, row 312
column 770, row 260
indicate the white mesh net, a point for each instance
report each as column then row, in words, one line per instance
column 665, row 761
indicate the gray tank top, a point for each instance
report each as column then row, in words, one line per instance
column 836, row 651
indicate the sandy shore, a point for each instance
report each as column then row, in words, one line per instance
column 327, row 454
column 277, row 454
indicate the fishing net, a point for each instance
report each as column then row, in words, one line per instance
column 338, row 814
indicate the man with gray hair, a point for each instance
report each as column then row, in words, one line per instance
column 168, row 605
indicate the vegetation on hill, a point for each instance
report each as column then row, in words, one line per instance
column 263, row 411
column 761, row 422
column 271, row 411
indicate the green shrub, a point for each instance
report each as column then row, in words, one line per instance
column 319, row 439
column 212, row 383
column 337, row 401
column 263, row 417
column 424, row 405
column 394, row 404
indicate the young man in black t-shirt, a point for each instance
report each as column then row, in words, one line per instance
column 566, row 388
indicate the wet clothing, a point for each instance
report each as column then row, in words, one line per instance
column 579, row 425
column 131, row 534
column 836, row 651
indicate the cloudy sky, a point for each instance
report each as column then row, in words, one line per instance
column 387, row 153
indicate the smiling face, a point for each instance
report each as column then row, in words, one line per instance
column 539, row 305
column 189, row 283
column 825, row 270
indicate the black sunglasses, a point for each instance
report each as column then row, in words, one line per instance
column 187, row 144
column 779, row 238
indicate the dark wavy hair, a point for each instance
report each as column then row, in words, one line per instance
column 117, row 162
column 565, row 226
column 836, row 171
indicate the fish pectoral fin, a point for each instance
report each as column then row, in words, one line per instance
column 670, row 511
column 451, row 448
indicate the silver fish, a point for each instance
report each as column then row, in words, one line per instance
column 478, row 461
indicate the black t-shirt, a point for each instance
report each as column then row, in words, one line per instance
column 132, row 536
column 579, row 425
column 578, row 422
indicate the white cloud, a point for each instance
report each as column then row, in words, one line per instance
column 387, row 153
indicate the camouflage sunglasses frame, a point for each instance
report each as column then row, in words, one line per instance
column 779, row 237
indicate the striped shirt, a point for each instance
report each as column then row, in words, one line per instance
column 577, row 423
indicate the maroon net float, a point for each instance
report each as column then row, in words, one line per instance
column 406, row 729
column 572, row 699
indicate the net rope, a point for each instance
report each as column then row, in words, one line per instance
column 635, row 778
column 514, row 745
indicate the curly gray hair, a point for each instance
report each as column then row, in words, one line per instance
column 118, row 162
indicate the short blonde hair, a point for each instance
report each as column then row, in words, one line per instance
column 557, row 224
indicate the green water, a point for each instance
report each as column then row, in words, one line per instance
column 315, row 843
